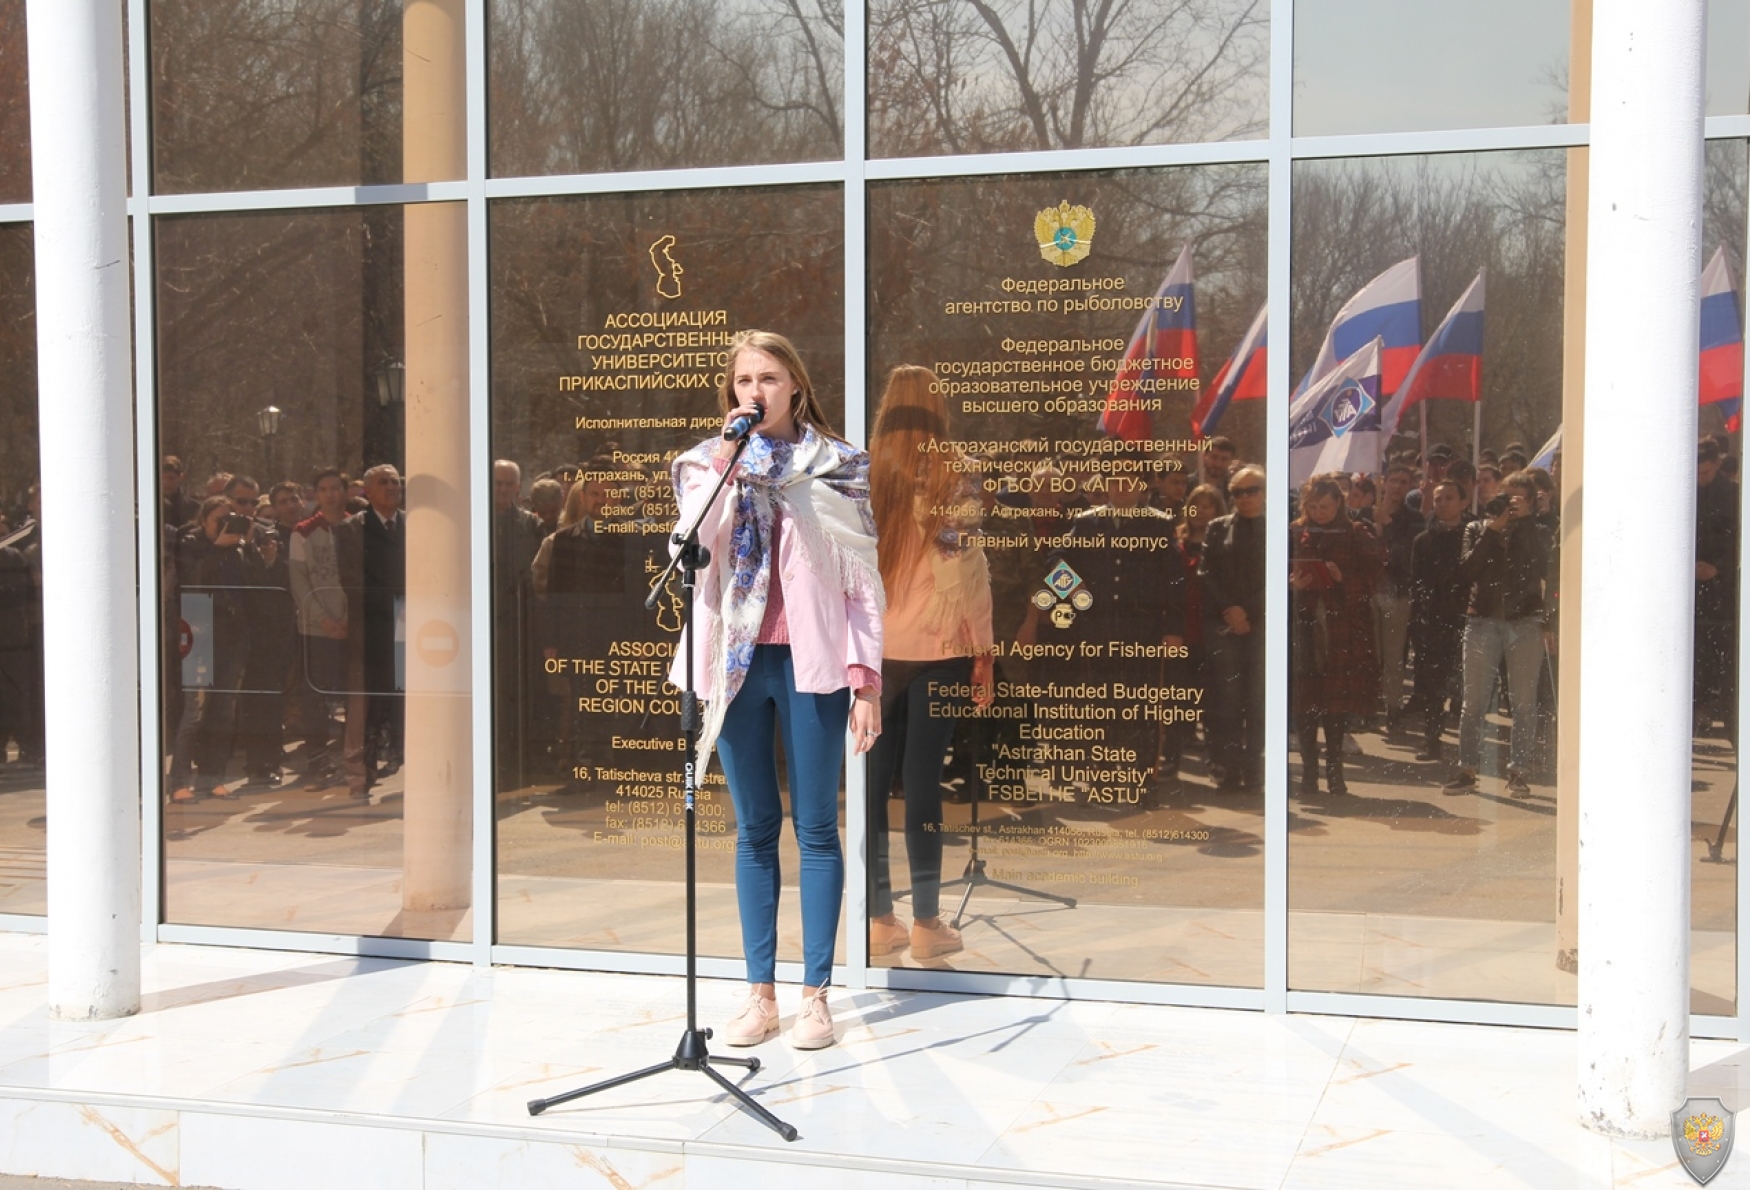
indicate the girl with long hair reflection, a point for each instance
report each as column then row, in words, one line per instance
column 937, row 638
column 786, row 642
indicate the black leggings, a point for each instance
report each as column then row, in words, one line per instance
column 911, row 748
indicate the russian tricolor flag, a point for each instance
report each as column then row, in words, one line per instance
column 1163, row 346
column 1450, row 367
column 1722, row 341
column 1241, row 379
column 1388, row 308
column 1334, row 425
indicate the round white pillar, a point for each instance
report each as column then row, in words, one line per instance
column 1643, row 264
column 85, row 403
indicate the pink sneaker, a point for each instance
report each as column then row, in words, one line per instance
column 932, row 942
column 887, row 937
column 757, row 1020
column 813, row 1027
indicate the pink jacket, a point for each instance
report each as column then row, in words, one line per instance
column 829, row 630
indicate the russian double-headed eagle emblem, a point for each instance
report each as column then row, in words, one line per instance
column 1701, row 1132
column 1065, row 233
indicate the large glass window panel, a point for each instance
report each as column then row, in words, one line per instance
column 593, row 86
column 1396, row 884
column 1383, row 66
column 609, row 319
column 1102, row 814
column 1714, row 871
column 312, row 382
column 14, row 105
column 946, row 76
column 1380, row 66
column 1728, row 62
column 22, row 817
column 249, row 96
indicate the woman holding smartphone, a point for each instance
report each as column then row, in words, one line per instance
column 786, row 641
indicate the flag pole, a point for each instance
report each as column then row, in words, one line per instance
column 1422, row 408
column 1476, row 447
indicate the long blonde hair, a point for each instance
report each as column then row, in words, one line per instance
column 905, row 474
column 806, row 408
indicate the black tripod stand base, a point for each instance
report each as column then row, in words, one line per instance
column 690, row 1054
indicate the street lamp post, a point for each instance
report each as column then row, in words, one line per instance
column 391, row 402
column 268, row 422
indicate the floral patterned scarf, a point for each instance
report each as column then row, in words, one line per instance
column 822, row 487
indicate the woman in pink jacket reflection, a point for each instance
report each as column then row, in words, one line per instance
column 937, row 645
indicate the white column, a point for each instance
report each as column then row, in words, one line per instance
column 85, row 402
column 440, row 720
column 1637, row 578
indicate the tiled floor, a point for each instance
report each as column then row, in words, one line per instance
column 251, row 1069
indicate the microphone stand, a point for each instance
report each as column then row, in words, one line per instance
column 691, row 1053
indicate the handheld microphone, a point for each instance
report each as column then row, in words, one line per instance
column 742, row 426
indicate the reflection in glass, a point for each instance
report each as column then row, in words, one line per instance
column 1728, row 66
column 946, row 77
column 1435, row 871
column 610, row 319
column 1094, row 814
column 22, row 819
column 590, row 86
column 1718, row 533
column 303, row 654
column 257, row 96
column 1425, row 863
column 14, row 105
column 1382, row 66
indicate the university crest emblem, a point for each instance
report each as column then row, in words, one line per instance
column 1701, row 1132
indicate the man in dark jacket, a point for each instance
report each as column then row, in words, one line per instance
column 1716, row 592
column 1398, row 528
column 1438, row 596
column 382, row 541
column 516, row 536
column 1134, row 597
column 1504, row 560
column 1232, row 570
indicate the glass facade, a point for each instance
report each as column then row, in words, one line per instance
column 14, row 105
column 414, row 449
column 310, row 711
column 261, row 97
column 1403, row 886
column 588, row 409
column 1054, row 811
column 608, row 86
column 23, row 820
column 1010, row 77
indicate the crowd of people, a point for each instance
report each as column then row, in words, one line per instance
column 280, row 616
column 1422, row 601
column 21, row 633
column 284, row 634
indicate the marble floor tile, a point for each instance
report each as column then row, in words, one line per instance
column 76, row 1140
column 472, row 1162
column 427, row 1069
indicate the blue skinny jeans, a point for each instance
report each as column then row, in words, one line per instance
column 812, row 727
